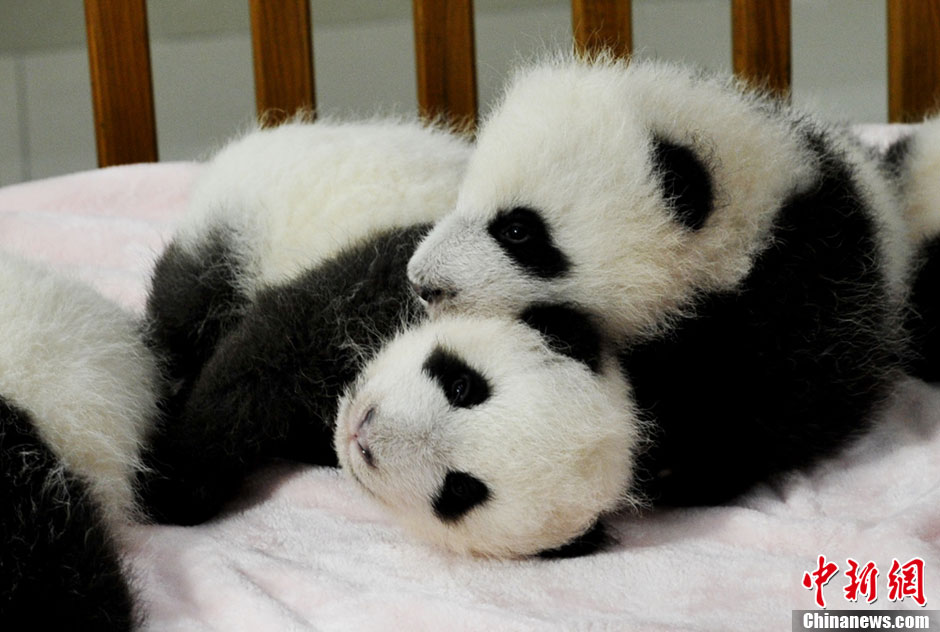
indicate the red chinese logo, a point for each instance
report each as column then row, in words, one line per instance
column 861, row 581
column 819, row 578
column 905, row 580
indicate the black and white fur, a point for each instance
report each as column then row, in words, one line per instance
column 752, row 262
column 495, row 436
column 286, row 270
column 78, row 399
column 503, row 436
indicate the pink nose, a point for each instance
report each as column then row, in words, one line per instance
column 362, row 437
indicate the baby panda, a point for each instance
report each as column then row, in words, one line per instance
column 915, row 162
column 78, row 398
column 293, row 251
column 751, row 261
column 501, row 436
column 495, row 436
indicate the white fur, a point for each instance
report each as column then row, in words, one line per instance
column 554, row 442
column 76, row 362
column 269, row 188
column 571, row 139
column 920, row 181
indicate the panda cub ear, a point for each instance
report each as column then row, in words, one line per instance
column 686, row 183
column 567, row 331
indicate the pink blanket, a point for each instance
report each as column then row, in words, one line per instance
column 304, row 550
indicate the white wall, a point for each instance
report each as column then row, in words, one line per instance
column 364, row 60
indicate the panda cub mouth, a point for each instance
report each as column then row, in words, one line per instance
column 358, row 425
column 361, row 436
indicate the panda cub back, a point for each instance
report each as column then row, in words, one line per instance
column 78, row 400
column 291, row 196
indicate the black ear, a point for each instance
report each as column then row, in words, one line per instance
column 895, row 156
column 591, row 541
column 567, row 331
column 687, row 185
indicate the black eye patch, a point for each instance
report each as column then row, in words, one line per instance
column 463, row 386
column 686, row 183
column 460, row 493
column 524, row 236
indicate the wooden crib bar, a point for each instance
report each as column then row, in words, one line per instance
column 913, row 58
column 445, row 60
column 121, row 85
column 283, row 71
column 760, row 43
column 602, row 25
column 122, row 92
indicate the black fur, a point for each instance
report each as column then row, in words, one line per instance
column 780, row 371
column 459, row 493
column 462, row 385
column 567, row 331
column 271, row 387
column 924, row 319
column 893, row 159
column 591, row 541
column 59, row 566
column 524, row 236
column 193, row 302
column 687, row 185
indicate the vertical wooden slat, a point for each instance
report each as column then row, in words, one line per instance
column 602, row 25
column 913, row 58
column 760, row 33
column 121, row 83
column 445, row 61
column 282, row 47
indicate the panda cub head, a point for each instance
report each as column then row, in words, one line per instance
column 624, row 188
column 491, row 436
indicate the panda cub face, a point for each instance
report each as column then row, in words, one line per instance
column 492, row 436
column 625, row 189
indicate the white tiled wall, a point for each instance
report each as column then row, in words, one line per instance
column 12, row 147
column 203, row 93
column 364, row 65
column 58, row 121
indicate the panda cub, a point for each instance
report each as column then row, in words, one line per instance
column 292, row 244
column 500, row 436
column 752, row 262
column 495, row 437
column 78, row 398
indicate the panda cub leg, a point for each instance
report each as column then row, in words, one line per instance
column 194, row 301
column 58, row 563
